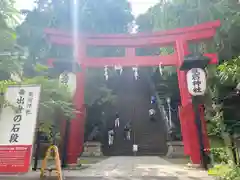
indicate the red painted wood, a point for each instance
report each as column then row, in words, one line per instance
column 187, row 117
column 167, row 60
column 77, row 124
column 213, row 57
column 137, row 42
column 181, row 49
column 76, row 137
column 199, row 27
column 152, row 41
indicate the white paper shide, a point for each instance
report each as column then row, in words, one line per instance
column 18, row 122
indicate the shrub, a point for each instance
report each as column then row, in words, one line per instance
column 220, row 155
column 233, row 174
column 225, row 172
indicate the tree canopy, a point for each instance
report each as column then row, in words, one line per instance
column 12, row 59
column 175, row 14
column 106, row 16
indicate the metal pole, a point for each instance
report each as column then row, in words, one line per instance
column 54, row 132
column 37, row 151
column 199, row 130
column 65, row 144
column 233, row 148
column 54, row 127
column 169, row 112
column 133, row 130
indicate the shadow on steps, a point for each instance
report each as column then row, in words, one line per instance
column 132, row 105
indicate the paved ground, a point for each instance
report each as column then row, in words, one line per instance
column 129, row 168
column 86, row 161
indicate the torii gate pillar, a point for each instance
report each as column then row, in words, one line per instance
column 186, row 112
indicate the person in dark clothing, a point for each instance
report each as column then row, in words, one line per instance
column 127, row 131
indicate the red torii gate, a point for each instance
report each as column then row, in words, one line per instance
column 178, row 39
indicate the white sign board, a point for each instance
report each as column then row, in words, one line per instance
column 69, row 80
column 135, row 148
column 17, row 127
column 196, row 81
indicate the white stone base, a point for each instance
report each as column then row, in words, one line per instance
column 92, row 149
column 175, row 149
column 194, row 166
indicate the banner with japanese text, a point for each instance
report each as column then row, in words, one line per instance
column 17, row 127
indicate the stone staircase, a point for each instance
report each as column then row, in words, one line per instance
column 162, row 87
column 150, row 135
column 133, row 104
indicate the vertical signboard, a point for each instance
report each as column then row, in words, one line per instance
column 17, row 128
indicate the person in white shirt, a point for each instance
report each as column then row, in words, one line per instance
column 110, row 137
column 117, row 121
column 152, row 113
column 119, row 69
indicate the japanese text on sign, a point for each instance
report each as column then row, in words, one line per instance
column 64, row 78
column 14, row 134
column 196, row 80
column 29, row 103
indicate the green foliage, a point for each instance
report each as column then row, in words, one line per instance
column 10, row 61
column 105, row 16
column 222, row 80
column 220, row 155
column 233, row 174
column 93, row 17
column 95, row 79
column 52, row 96
column 214, row 116
column 219, row 170
column 54, row 99
column 175, row 14
column 3, row 86
column 229, row 72
column 225, row 172
column 8, row 19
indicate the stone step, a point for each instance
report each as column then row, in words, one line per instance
column 136, row 95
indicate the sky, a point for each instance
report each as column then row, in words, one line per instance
column 138, row 6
